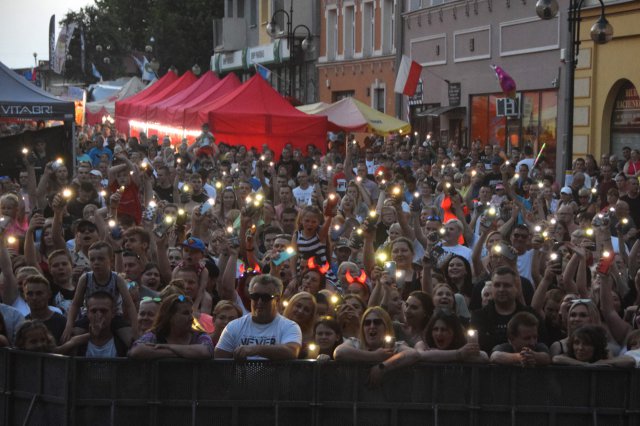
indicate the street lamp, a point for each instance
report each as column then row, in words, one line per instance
column 291, row 40
column 601, row 33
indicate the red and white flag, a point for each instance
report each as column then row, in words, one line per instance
column 408, row 76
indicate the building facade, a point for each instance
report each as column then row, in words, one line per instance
column 359, row 50
column 242, row 42
column 607, row 106
column 456, row 42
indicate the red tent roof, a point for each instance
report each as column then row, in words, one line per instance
column 139, row 109
column 123, row 108
column 255, row 114
column 187, row 115
column 156, row 112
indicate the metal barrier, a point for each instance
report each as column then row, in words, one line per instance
column 56, row 390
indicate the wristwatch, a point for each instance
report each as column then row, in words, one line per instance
column 381, row 366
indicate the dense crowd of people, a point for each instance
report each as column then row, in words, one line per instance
column 390, row 251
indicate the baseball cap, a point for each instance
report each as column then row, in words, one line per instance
column 566, row 190
column 499, row 186
column 194, row 244
column 96, row 173
column 496, row 160
column 82, row 223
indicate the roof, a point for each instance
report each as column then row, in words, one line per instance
column 22, row 99
column 351, row 115
column 438, row 111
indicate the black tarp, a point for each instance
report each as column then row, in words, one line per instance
column 22, row 99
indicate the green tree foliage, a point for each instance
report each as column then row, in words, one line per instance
column 181, row 31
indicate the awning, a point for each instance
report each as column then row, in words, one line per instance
column 438, row 111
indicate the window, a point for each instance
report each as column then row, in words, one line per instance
column 338, row 96
column 535, row 125
column 264, row 12
column 229, row 9
column 254, row 13
column 368, row 29
column 349, row 31
column 625, row 122
column 378, row 99
column 332, row 33
column 253, row 10
column 388, row 25
column 240, row 8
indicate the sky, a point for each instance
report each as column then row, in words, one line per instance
column 24, row 28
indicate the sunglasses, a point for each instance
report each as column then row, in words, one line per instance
column 265, row 297
column 375, row 321
column 151, row 299
column 435, row 218
column 523, row 236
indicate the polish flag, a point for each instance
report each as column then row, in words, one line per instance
column 408, row 76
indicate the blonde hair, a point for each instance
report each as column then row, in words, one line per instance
column 307, row 327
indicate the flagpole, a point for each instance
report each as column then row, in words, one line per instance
column 282, row 79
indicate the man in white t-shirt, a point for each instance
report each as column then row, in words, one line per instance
column 303, row 192
column 265, row 334
column 453, row 231
column 520, row 237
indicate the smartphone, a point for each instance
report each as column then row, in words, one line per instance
column 4, row 222
column 605, row 262
column 116, row 232
column 390, row 267
column 284, row 256
column 507, row 251
column 163, row 226
column 206, row 206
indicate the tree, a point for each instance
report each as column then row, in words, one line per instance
column 181, row 31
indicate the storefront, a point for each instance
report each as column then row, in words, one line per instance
column 529, row 119
column 607, row 106
column 625, row 119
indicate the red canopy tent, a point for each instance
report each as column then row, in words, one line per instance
column 123, row 108
column 138, row 110
column 187, row 115
column 255, row 114
column 157, row 112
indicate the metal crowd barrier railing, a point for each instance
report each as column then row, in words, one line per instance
column 56, row 390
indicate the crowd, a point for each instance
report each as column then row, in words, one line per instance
column 388, row 251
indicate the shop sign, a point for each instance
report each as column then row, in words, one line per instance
column 626, row 113
column 229, row 61
column 416, row 99
column 260, row 55
column 508, row 107
column 455, row 92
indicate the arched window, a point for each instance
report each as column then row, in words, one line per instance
column 625, row 119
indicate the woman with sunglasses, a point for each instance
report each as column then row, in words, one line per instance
column 171, row 334
column 581, row 312
column 376, row 344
